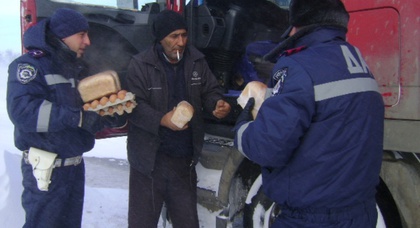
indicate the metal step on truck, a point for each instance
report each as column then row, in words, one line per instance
column 387, row 32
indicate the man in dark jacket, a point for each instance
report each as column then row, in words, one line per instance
column 319, row 137
column 162, row 156
column 51, row 128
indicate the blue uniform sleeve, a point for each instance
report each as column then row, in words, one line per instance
column 283, row 118
column 30, row 104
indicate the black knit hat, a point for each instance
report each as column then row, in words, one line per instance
column 66, row 22
column 309, row 12
column 166, row 22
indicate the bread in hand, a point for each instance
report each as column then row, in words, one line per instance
column 254, row 89
column 183, row 114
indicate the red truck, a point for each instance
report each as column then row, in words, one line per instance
column 386, row 31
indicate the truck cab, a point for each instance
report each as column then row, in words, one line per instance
column 231, row 33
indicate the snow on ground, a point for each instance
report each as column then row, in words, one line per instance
column 104, row 206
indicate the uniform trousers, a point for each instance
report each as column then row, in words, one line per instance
column 61, row 205
column 360, row 215
column 173, row 182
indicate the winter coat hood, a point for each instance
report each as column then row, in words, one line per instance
column 35, row 37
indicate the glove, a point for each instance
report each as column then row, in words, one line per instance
column 91, row 122
column 263, row 68
column 245, row 115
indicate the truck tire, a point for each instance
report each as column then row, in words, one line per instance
column 387, row 206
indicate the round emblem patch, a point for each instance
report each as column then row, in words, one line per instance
column 26, row 73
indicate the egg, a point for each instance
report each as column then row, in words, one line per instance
column 101, row 112
column 111, row 110
column 103, row 101
column 121, row 94
column 113, row 98
column 128, row 104
column 94, row 104
column 86, row 106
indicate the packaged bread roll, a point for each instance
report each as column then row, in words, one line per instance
column 183, row 114
column 254, row 89
column 99, row 85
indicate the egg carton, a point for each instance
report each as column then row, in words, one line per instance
column 119, row 106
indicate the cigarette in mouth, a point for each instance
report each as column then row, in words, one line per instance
column 177, row 54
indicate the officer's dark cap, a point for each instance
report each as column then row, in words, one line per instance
column 309, row 12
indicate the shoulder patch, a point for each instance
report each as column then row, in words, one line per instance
column 294, row 50
column 26, row 73
column 280, row 77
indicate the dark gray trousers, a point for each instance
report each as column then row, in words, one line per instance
column 173, row 182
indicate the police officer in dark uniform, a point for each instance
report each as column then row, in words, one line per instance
column 51, row 128
column 319, row 137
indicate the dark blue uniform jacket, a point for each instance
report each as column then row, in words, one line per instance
column 42, row 98
column 319, row 137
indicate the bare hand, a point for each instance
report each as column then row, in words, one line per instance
column 166, row 122
column 222, row 109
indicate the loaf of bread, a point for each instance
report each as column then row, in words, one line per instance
column 99, row 85
column 254, row 89
column 183, row 114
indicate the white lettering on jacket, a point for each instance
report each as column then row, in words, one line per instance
column 354, row 65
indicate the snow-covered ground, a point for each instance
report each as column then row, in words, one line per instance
column 105, row 203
